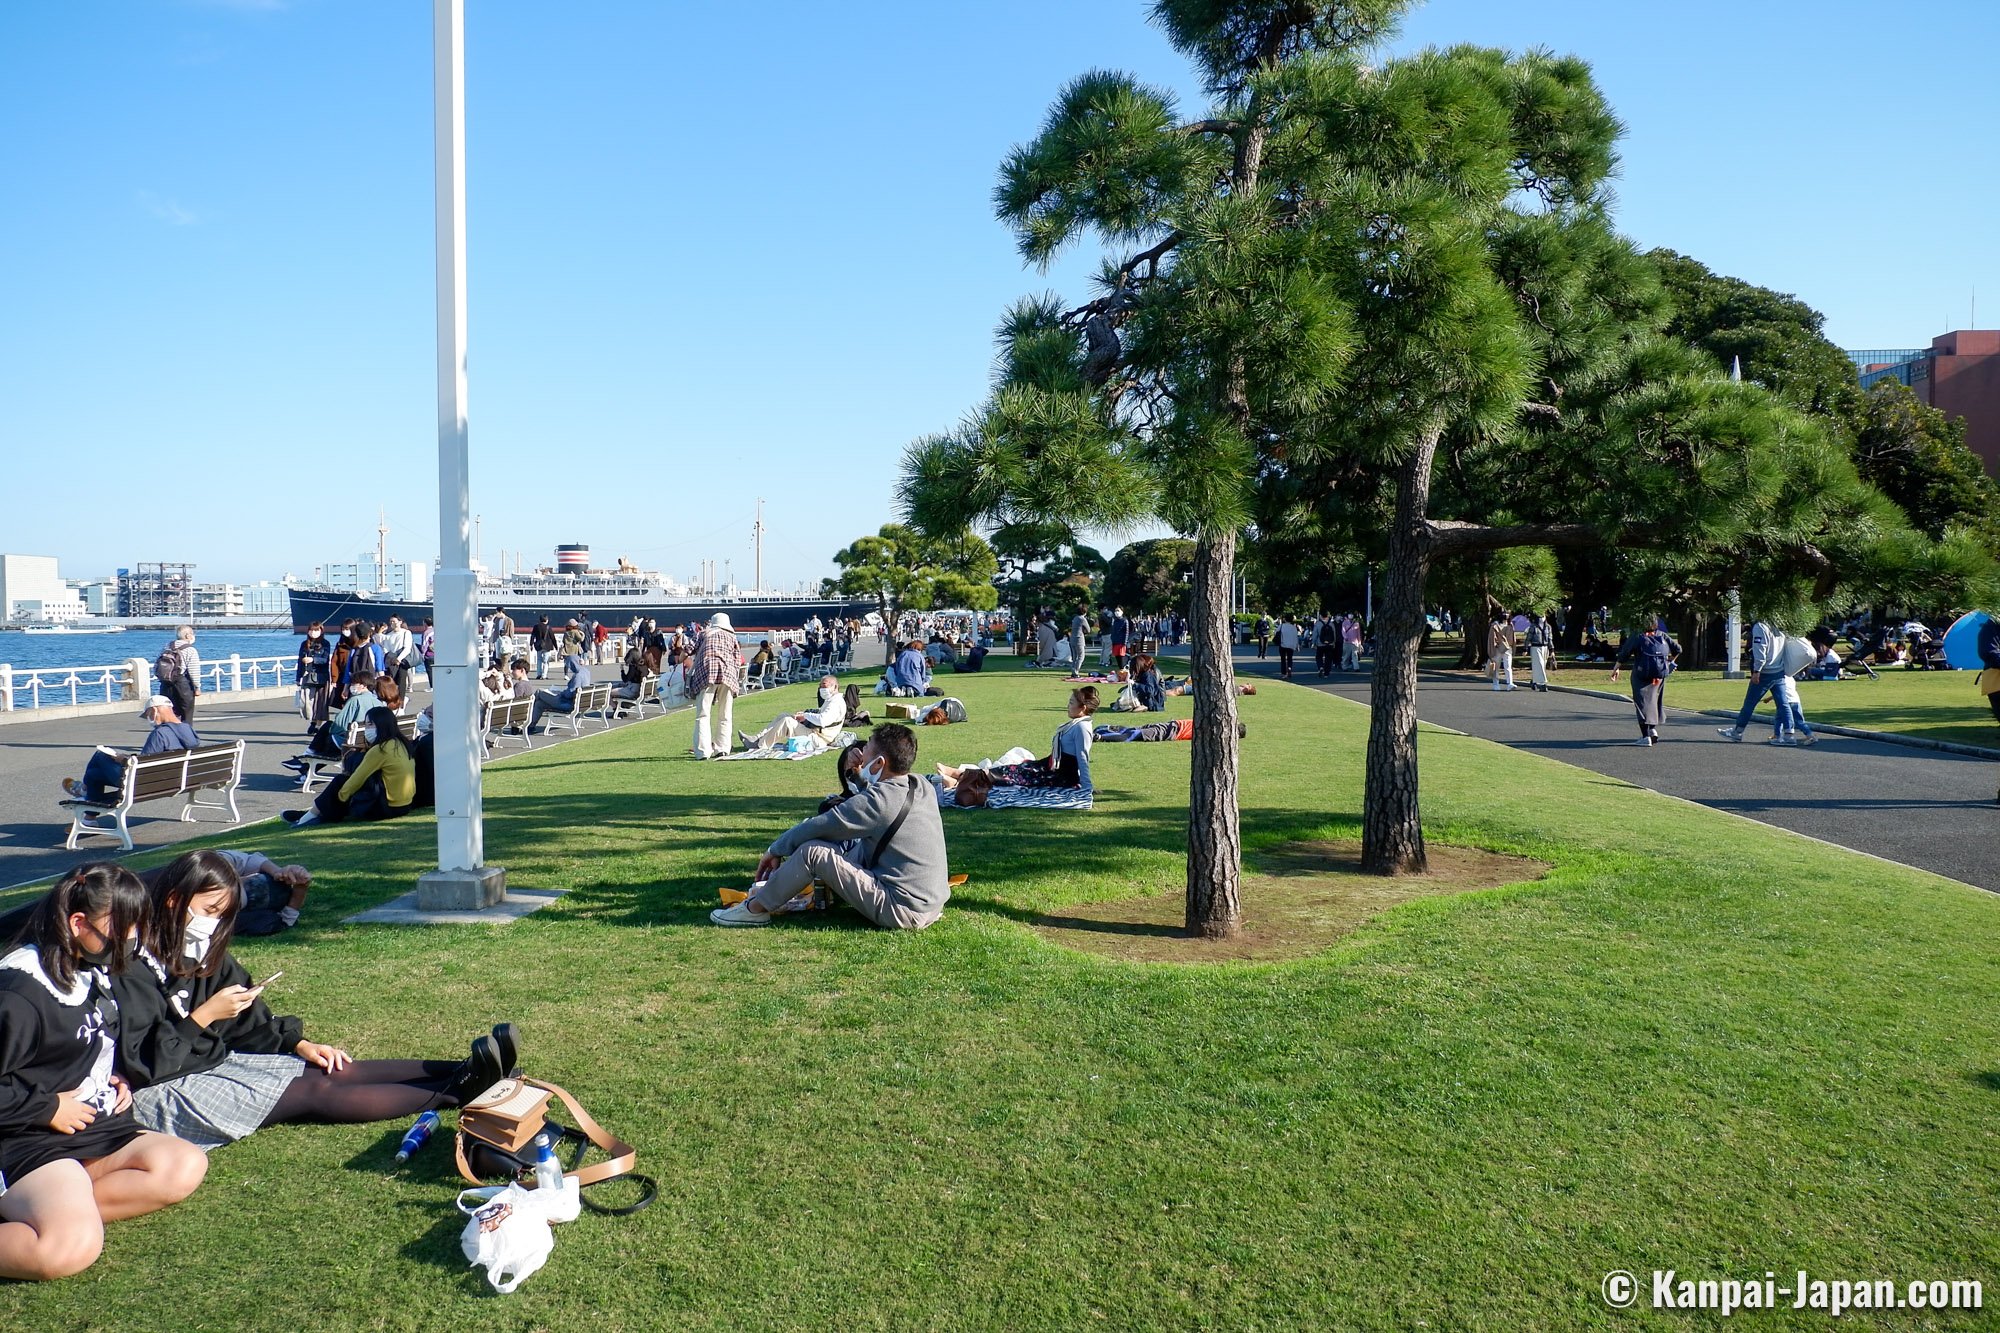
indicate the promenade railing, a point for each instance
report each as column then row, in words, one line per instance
column 49, row 687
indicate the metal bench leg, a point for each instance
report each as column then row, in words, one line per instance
column 124, row 833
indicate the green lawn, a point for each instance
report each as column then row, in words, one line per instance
column 1937, row 705
column 1698, row 1043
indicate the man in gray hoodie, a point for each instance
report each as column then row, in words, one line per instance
column 882, row 849
column 1767, row 668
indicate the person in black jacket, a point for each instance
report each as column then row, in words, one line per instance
column 72, row 1157
column 211, row 1063
column 1988, row 647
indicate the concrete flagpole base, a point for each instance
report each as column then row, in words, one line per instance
column 473, row 890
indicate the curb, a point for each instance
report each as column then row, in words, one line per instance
column 1857, row 733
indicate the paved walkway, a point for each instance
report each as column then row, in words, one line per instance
column 36, row 756
column 1920, row 807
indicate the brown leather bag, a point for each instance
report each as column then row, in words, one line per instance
column 505, row 1120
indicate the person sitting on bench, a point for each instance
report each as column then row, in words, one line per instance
column 881, row 849
column 328, row 740
column 824, row 722
column 105, row 771
column 562, row 700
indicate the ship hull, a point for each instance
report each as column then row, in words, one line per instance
column 745, row 614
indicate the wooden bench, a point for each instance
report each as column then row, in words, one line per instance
column 509, row 716
column 154, row 777
column 319, row 768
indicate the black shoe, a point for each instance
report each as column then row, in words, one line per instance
column 296, row 765
column 507, row 1045
column 478, row 1074
column 1241, row 731
column 292, row 816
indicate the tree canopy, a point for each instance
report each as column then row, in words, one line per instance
column 903, row 568
column 1150, row 575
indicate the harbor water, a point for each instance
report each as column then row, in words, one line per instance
column 88, row 656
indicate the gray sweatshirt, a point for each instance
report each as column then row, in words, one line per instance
column 914, row 870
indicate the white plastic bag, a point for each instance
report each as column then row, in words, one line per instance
column 507, row 1229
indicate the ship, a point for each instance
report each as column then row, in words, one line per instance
column 572, row 589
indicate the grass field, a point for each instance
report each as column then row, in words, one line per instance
column 1697, row 1043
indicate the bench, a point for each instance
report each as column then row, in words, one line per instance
column 590, row 699
column 319, row 768
column 649, row 693
column 154, row 777
column 509, row 716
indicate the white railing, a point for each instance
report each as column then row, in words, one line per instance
column 50, row 687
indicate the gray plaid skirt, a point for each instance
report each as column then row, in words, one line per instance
column 221, row 1105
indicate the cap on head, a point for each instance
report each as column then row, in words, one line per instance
column 720, row 620
column 157, row 701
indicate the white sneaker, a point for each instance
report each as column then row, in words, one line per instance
column 1730, row 732
column 1643, row 740
column 739, row 915
column 1782, row 740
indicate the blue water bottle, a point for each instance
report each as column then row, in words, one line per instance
column 419, row 1135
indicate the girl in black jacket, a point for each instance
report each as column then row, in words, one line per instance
column 211, row 1063
column 71, row 1155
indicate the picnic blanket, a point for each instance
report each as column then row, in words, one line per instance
column 1035, row 798
column 809, row 746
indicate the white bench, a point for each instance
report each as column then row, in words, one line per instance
column 319, row 768
column 591, row 700
column 649, row 693
column 153, row 777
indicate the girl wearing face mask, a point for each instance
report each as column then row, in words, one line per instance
column 382, row 785
column 824, row 722
column 72, row 1157
column 315, row 676
column 211, row 1063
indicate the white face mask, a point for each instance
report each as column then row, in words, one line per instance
column 368, row 734
column 199, row 934
column 870, row 773
column 826, row 693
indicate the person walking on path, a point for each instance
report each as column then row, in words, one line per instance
column 1500, row 651
column 1652, row 656
column 1350, row 642
column 1989, row 661
column 1288, row 645
column 1541, row 640
column 715, row 677
column 1263, row 636
column 1767, row 667
column 178, row 669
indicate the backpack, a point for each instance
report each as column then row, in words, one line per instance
column 1654, row 661
column 167, row 666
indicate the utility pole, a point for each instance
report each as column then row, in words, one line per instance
column 462, row 881
column 1732, row 625
column 381, row 550
column 757, row 534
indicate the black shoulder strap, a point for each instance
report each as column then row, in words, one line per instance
column 896, row 824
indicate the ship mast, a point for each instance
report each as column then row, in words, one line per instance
column 381, row 550
column 757, row 534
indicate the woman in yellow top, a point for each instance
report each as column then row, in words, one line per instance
column 382, row 786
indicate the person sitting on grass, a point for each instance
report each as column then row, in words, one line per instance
column 912, row 671
column 210, row 1063
column 382, row 786
column 825, row 722
column 562, row 700
column 1068, row 764
column 270, row 896
column 882, row 849
column 71, row 1155
column 106, row 768
column 1146, row 684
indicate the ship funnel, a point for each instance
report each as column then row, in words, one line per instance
column 572, row 559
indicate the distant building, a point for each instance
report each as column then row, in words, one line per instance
column 1958, row 374
column 217, row 599
column 100, row 596
column 32, row 589
column 405, row 580
column 160, row 588
column 267, row 598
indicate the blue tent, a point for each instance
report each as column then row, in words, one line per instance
column 1961, row 641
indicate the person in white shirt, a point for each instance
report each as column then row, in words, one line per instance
column 1288, row 645
column 824, row 722
column 399, row 651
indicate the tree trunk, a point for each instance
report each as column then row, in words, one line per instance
column 1392, row 835
column 1215, row 841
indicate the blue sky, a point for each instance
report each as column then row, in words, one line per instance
column 712, row 261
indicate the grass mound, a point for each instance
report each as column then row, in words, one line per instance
column 1297, row 898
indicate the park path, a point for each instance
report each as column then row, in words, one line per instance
column 1920, row 807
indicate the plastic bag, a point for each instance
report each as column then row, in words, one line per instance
column 507, row 1229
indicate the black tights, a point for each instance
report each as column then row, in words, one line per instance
column 365, row 1091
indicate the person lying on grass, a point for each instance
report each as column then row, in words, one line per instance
column 968, row 793
column 72, row 1157
column 881, row 849
column 210, row 1062
column 1068, row 764
column 1181, row 730
column 270, row 896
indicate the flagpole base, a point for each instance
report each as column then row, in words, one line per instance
column 473, row 890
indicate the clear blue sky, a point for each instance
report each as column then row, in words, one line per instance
column 711, row 260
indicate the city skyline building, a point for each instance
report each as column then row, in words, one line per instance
column 1958, row 374
column 32, row 589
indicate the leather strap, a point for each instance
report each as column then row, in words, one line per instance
column 622, row 1154
column 895, row 825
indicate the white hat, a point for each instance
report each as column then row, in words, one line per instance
column 157, row 701
column 720, row 620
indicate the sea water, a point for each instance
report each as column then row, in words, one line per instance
column 79, row 652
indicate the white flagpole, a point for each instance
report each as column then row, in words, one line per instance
column 462, row 881
column 1732, row 627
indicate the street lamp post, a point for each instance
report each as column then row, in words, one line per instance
column 462, row 881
